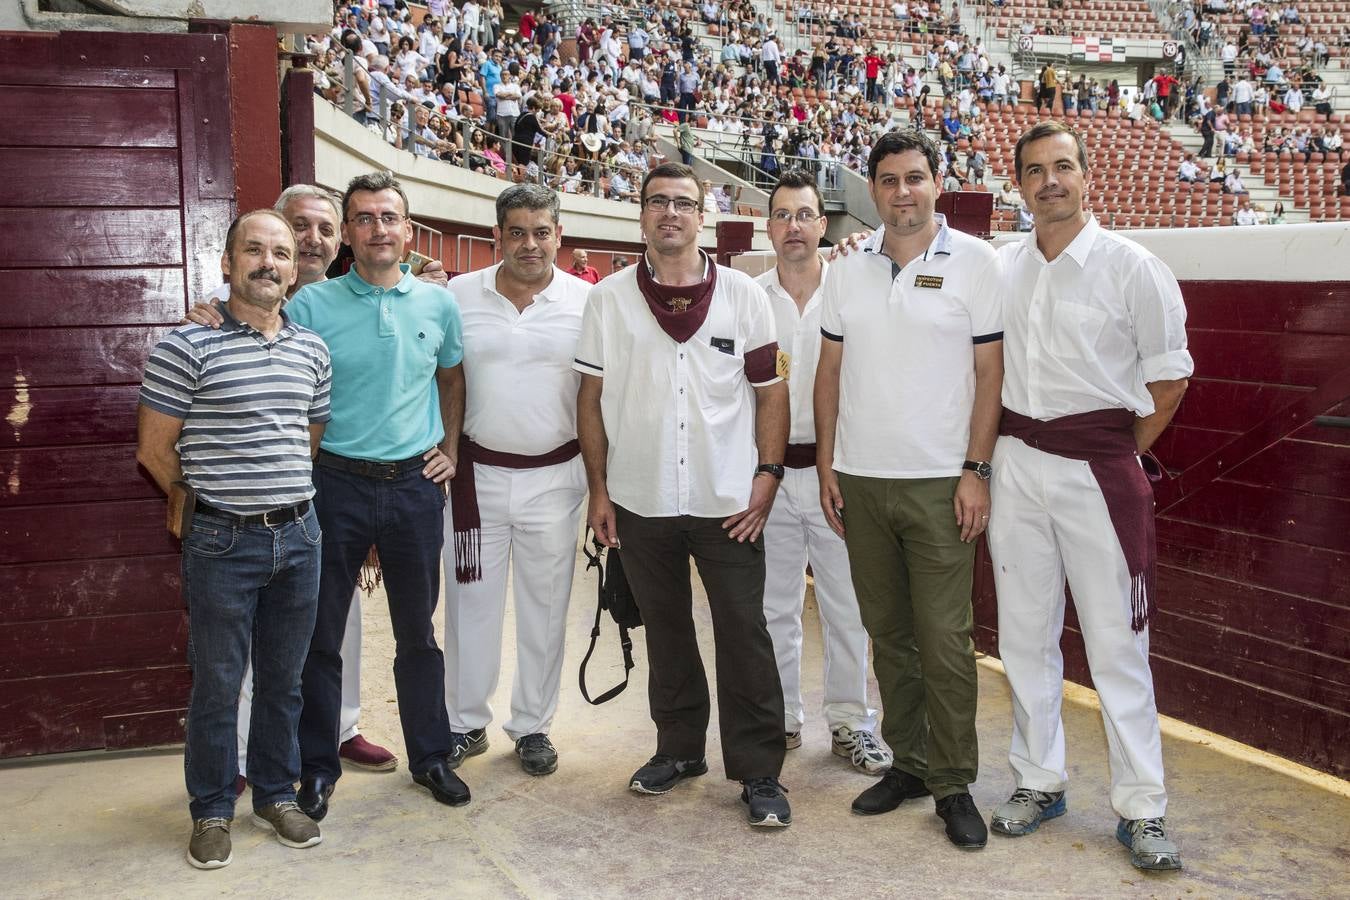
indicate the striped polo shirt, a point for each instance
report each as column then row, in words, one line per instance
column 246, row 405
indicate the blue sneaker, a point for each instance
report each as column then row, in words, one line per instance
column 1026, row 810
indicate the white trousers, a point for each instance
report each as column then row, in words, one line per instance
column 1049, row 522
column 530, row 522
column 795, row 534
column 351, row 685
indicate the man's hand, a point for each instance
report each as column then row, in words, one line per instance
column 434, row 273
column 600, row 517
column 972, row 506
column 440, row 466
column 177, row 497
column 848, row 244
column 748, row 525
column 831, row 501
column 207, row 314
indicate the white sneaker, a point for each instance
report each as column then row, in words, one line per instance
column 862, row 749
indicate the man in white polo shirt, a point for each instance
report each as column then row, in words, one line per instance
column 1096, row 366
column 683, row 421
column 515, row 500
column 907, row 407
column 797, row 532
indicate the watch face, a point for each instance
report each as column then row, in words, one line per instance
column 984, row 470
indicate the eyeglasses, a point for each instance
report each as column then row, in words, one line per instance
column 801, row 217
column 661, row 203
column 388, row 220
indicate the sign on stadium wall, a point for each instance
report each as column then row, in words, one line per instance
column 1093, row 49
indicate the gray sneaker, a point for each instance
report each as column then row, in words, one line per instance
column 465, row 744
column 1025, row 810
column 1149, row 845
column 210, row 844
column 293, row 828
column 860, row 748
column 792, row 739
column 537, row 754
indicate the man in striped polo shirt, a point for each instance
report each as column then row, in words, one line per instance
column 228, row 423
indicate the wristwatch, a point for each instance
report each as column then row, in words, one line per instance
column 982, row 470
column 774, row 469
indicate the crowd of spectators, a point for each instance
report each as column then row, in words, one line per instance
column 461, row 83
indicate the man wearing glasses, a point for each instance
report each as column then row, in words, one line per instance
column 682, row 417
column 796, row 531
column 398, row 406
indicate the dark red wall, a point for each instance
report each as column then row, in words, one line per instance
column 1252, row 634
column 116, row 185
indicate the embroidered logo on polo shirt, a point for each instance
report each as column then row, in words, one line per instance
column 726, row 345
column 928, row 281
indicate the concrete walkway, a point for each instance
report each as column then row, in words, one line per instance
column 117, row 825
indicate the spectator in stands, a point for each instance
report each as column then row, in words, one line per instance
column 1244, row 215
column 1332, row 142
column 580, row 267
column 1243, row 94
column 1229, row 54
column 1007, row 197
column 1232, row 183
column 1321, row 98
column 508, row 94
column 1188, row 171
column 620, row 188
column 1048, row 81
column 1277, row 215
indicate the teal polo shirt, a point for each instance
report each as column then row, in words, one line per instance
column 386, row 345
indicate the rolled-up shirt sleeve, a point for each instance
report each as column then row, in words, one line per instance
column 761, row 355
column 831, row 323
column 1158, row 317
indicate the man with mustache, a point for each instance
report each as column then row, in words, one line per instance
column 314, row 216
column 227, row 425
column 516, row 496
column 1096, row 365
column 906, row 406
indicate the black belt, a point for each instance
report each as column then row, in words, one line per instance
column 271, row 518
column 368, row 468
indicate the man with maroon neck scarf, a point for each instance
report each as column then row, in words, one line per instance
column 683, row 421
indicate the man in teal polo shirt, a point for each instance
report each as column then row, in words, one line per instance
column 398, row 406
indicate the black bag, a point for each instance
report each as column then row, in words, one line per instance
column 613, row 594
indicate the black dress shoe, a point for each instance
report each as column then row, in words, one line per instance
column 313, row 796
column 888, row 793
column 965, row 825
column 444, row 784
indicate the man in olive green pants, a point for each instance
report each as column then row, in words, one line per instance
column 907, row 409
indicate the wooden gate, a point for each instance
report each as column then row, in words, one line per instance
column 1252, row 634
column 116, row 185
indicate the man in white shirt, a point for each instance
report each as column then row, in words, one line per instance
column 906, row 407
column 772, row 59
column 797, row 533
column 1188, row 170
column 683, row 421
column 1095, row 366
column 515, row 500
column 507, row 92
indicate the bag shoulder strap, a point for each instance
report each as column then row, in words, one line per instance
column 626, row 642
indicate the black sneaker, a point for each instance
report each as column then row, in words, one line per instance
column 537, row 755
column 662, row 772
column 893, row 789
column 965, row 825
column 767, row 804
column 464, row 744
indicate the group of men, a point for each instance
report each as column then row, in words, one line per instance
column 867, row 417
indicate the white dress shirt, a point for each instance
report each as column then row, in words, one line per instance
column 521, row 388
column 1090, row 329
column 680, row 418
column 798, row 335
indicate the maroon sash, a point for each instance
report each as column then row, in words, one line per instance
column 468, row 524
column 1104, row 438
column 800, row 456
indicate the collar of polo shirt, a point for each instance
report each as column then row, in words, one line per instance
column 405, row 284
column 1078, row 248
column 230, row 323
column 552, row 292
column 941, row 245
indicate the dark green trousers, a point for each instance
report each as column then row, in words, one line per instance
column 913, row 577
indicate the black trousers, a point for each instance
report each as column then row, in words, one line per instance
column 656, row 554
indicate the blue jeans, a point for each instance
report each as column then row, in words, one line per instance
column 404, row 518
column 258, row 585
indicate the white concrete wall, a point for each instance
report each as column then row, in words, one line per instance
column 344, row 149
column 1317, row 251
